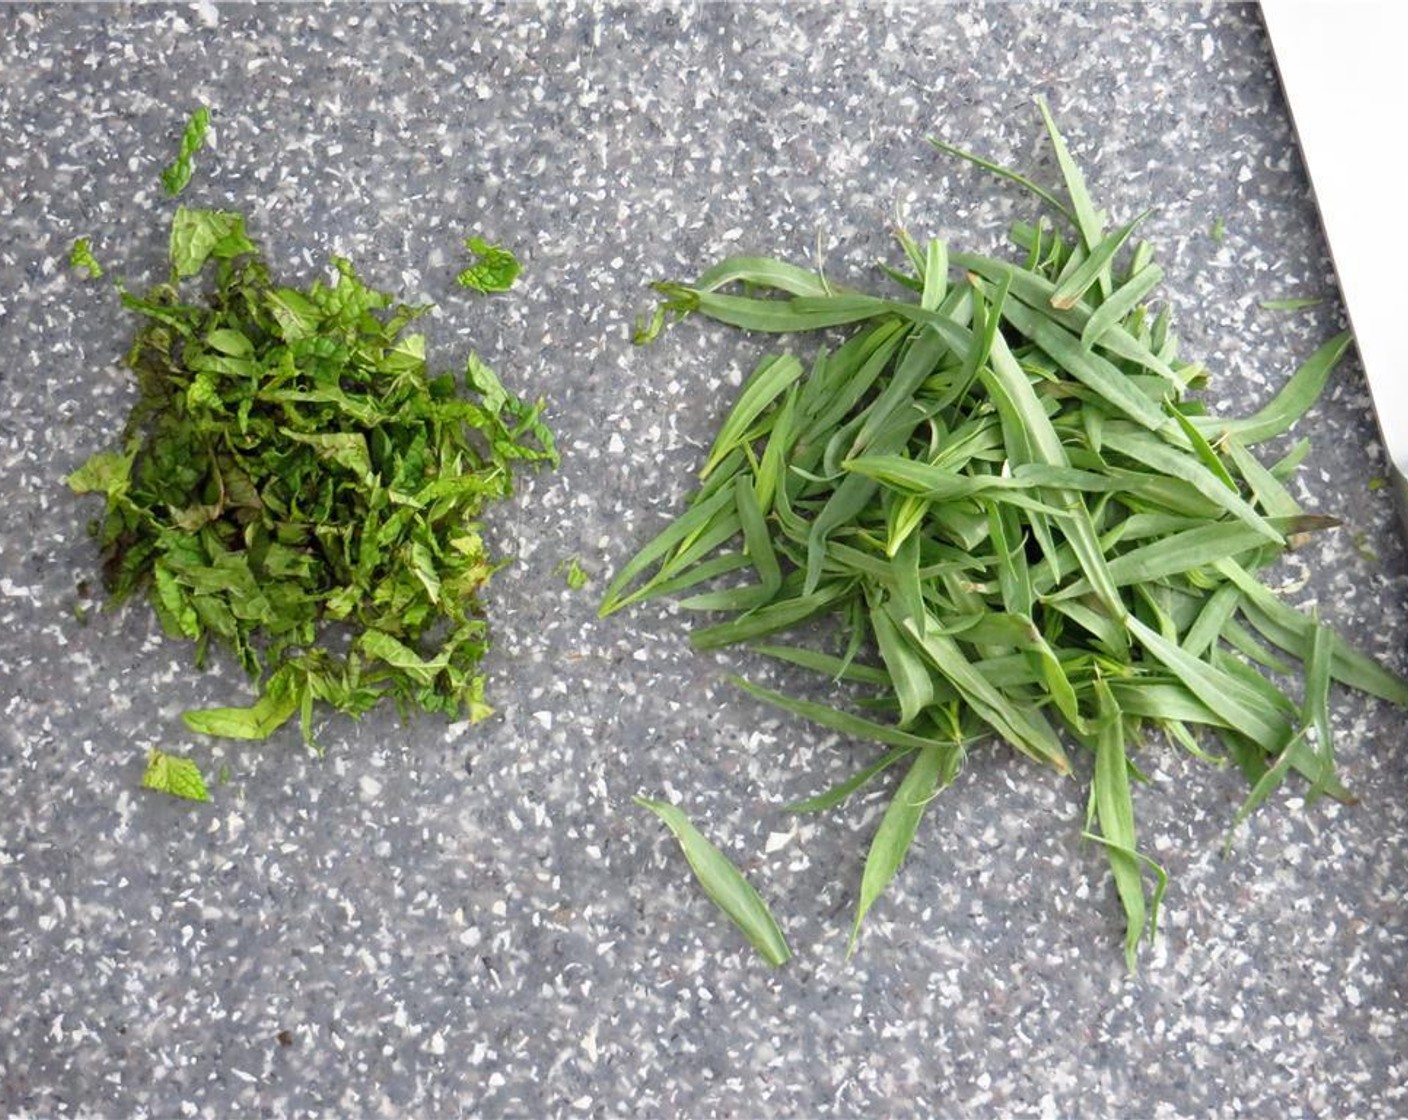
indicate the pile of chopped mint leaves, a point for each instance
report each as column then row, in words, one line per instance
column 295, row 486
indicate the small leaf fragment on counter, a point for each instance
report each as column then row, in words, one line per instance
column 494, row 270
column 82, row 257
column 725, row 884
column 180, row 777
column 572, row 571
column 178, row 173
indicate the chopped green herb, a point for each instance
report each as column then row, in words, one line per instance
column 224, row 777
column 996, row 509
column 180, row 777
column 82, row 257
column 725, row 884
column 1291, row 304
column 572, row 571
column 494, row 269
column 295, row 486
column 1377, row 483
column 175, row 177
column 1219, row 230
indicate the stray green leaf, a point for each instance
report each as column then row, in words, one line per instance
column 180, row 777
column 572, row 570
column 725, row 884
column 175, row 177
column 82, row 257
column 494, row 269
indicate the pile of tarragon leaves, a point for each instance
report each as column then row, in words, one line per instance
column 996, row 510
column 294, row 485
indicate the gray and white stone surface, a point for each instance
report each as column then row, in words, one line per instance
column 442, row 920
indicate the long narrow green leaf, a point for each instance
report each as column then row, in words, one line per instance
column 1005, row 173
column 1102, row 377
column 773, row 376
column 1270, row 493
column 837, row 794
column 725, row 885
column 910, row 677
column 1315, row 711
column 856, row 727
column 692, row 521
column 1096, row 265
column 1114, row 809
column 935, row 276
column 1023, row 729
column 827, row 664
column 1201, row 448
column 1087, row 218
column 755, row 536
column 1265, row 786
column 1149, row 450
column 1190, row 550
column 1290, row 630
column 781, row 614
column 763, row 272
column 1224, row 694
column 1216, row 613
column 897, row 828
column 1291, row 403
column 1035, row 293
column 1121, row 302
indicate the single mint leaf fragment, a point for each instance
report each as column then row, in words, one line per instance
column 573, row 572
column 82, row 257
column 180, row 777
column 175, row 177
column 494, row 269
column 199, row 235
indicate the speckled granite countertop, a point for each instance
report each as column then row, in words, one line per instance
column 444, row 921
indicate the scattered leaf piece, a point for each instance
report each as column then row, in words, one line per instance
column 495, row 268
column 176, row 175
column 180, row 777
column 82, row 257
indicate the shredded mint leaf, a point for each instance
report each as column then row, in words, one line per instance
column 494, row 270
column 175, row 177
column 198, row 235
column 575, row 576
column 180, row 777
column 82, row 257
